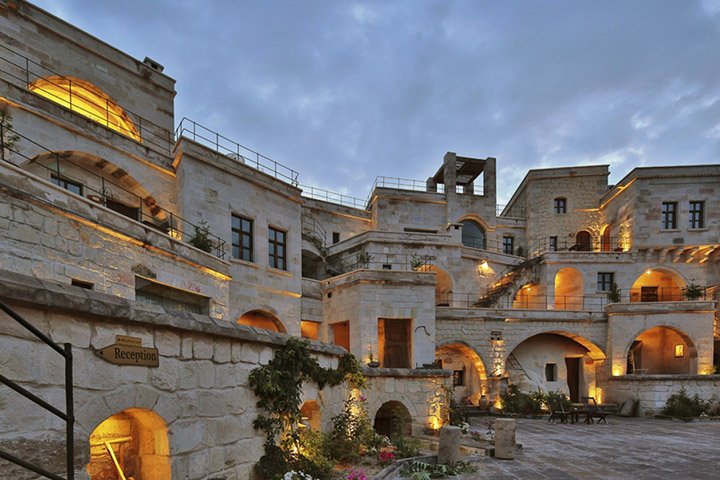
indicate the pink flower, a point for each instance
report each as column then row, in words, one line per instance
column 386, row 457
column 356, row 475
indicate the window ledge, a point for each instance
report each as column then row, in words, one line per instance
column 240, row 261
column 704, row 229
column 664, row 230
column 277, row 271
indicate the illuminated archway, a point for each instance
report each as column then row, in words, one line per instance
column 391, row 416
column 101, row 181
column 311, row 415
column 657, row 285
column 555, row 361
column 528, row 297
column 569, row 289
column 469, row 372
column 662, row 350
column 134, row 441
column 88, row 100
column 263, row 320
column 605, row 239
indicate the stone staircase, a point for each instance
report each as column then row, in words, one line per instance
column 508, row 280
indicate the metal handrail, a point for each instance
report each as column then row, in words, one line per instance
column 321, row 194
column 223, row 145
column 68, row 415
column 369, row 260
column 175, row 225
column 22, row 72
column 526, row 302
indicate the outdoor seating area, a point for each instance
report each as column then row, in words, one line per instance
column 589, row 410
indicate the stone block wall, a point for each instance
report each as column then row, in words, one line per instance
column 653, row 391
column 199, row 391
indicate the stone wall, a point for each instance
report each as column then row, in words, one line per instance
column 55, row 235
column 200, row 389
column 653, row 391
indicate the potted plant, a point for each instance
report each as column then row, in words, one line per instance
column 371, row 362
column 613, row 295
column 692, row 291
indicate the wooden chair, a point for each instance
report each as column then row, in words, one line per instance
column 559, row 414
column 593, row 411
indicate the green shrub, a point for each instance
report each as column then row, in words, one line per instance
column 515, row 401
column 556, row 400
column 201, row 240
column 424, row 471
column 681, row 405
column 614, row 294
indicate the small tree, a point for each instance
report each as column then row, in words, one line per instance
column 613, row 295
column 8, row 138
column 202, row 239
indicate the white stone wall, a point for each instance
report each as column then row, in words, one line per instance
column 653, row 391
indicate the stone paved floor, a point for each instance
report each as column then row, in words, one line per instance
column 627, row 448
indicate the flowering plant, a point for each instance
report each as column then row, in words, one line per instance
column 465, row 427
column 356, row 475
column 293, row 475
column 386, row 456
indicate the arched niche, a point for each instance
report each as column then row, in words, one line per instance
column 263, row 320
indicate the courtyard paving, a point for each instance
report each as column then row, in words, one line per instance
column 627, row 448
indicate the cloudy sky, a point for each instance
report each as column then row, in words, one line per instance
column 345, row 91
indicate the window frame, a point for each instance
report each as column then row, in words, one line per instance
column 507, row 244
column 669, row 217
column 241, row 233
column 696, row 220
column 553, row 243
column 602, row 281
column 459, row 378
column 551, row 367
column 63, row 182
column 560, row 205
column 276, row 260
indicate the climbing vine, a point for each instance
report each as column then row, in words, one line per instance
column 278, row 387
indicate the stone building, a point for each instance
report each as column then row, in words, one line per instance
column 117, row 220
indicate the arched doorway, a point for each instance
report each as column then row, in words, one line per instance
column 569, row 293
column 134, row 441
column 657, row 285
column 553, row 361
column 263, row 320
column 393, row 418
column 468, row 371
column 662, row 351
column 583, row 241
column 528, row 297
column 473, row 235
column 605, row 240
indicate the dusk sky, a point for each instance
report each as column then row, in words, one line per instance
column 345, row 91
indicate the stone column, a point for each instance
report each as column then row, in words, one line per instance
column 505, row 438
column 449, row 445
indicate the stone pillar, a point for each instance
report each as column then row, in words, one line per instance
column 505, row 438
column 431, row 185
column 449, row 445
column 489, row 188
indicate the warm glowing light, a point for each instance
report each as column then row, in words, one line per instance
column 648, row 272
column 498, row 403
column 435, row 423
column 86, row 99
column 617, row 371
column 176, row 234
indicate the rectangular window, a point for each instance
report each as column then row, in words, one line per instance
column 552, row 244
column 508, row 245
column 551, row 372
column 68, row 185
column 669, row 215
column 560, row 205
column 341, row 334
column 697, row 214
column 276, row 248
column 605, row 281
column 336, row 237
column 242, row 238
column 458, row 378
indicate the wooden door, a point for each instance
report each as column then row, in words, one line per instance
column 583, row 241
column 573, row 378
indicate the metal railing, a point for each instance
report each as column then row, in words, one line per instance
column 23, row 72
column 332, row 197
column 525, row 302
column 595, row 244
column 109, row 195
column 235, row 151
column 68, row 416
column 666, row 294
column 379, row 261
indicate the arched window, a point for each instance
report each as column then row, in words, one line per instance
column 473, row 234
column 86, row 99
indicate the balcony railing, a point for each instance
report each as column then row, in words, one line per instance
column 667, row 294
column 595, row 244
column 111, row 195
column 525, row 302
column 380, row 261
column 332, row 197
column 22, row 72
column 235, row 151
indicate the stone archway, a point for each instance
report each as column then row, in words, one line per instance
column 662, row 350
column 657, row 285
column 569, row 289
column 133, row 442
column 263, row 320
column 469, row 373
column 391, row 417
